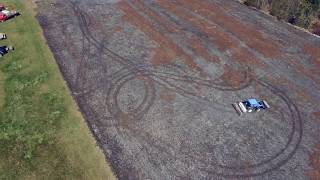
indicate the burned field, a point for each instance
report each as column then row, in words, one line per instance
column 155, row 81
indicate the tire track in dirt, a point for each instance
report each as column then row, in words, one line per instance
column 278, row 159
column 256, row 40
column 168, row 50
column 216, row 34
column 139, row 70
column 150, row 76
column 196, row 42
column 265, row 46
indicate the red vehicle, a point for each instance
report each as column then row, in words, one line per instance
column 6, row 14
column 3, row 17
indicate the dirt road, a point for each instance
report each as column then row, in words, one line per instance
column 155, row 81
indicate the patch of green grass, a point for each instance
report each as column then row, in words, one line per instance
column 297, row 12
column 2, row 78
column 42, row 134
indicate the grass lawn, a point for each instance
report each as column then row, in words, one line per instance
column 42, row 133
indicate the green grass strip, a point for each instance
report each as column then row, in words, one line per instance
column 42, row 134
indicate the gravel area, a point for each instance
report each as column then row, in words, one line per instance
column 155, row 80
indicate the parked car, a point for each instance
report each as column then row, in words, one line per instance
column 3, row 36
column 7, row 14
column 5, row 49
column 250, row 105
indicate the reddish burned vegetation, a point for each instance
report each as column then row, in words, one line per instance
column 314, row 173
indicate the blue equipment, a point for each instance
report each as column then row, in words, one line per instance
column 5, row 49
column 250, row 105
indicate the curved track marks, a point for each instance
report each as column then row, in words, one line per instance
column 201, row 38
column 150, row 77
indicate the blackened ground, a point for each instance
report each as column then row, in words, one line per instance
column 155, row 81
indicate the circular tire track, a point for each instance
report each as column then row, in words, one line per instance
column 150, row 77
column 278, row 159
column 117, row 83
